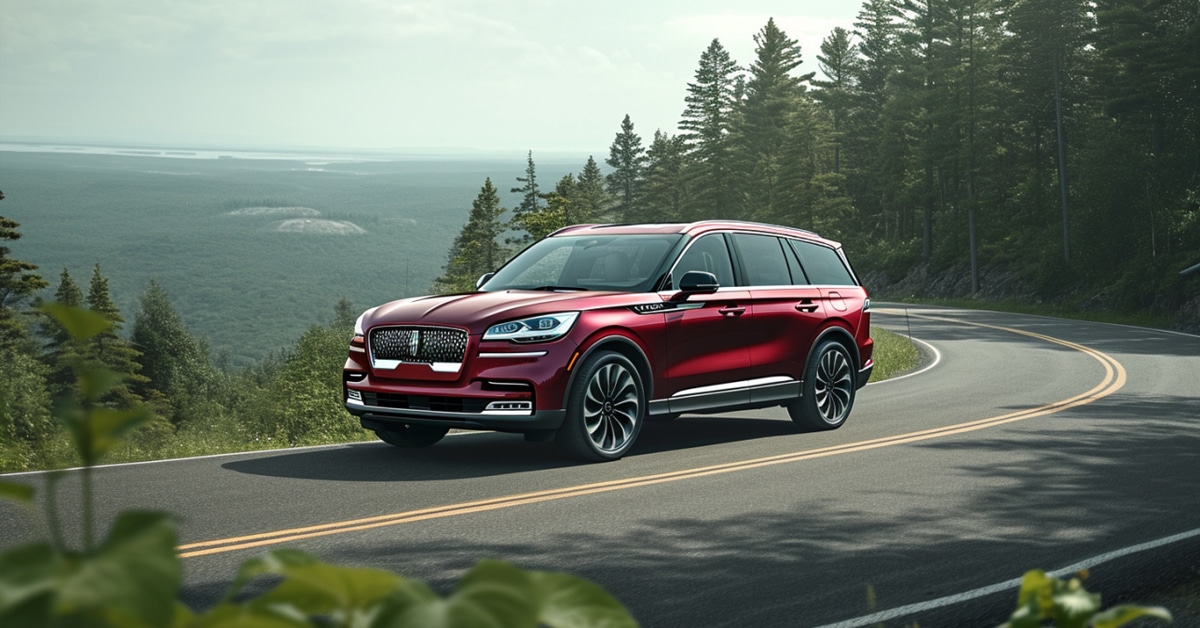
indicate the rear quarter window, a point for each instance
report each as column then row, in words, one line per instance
column 822, row 264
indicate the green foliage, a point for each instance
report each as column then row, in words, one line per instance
column 893, row 355
column 174, row 362
column 590, row 200
column 708, row 120
column 627, row 159
column 26, row 425
column 1046, row 598
column 132, row 578
column 664, row 186
column 18, row 282
column 477, row 249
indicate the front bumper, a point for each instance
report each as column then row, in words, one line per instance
column 498, row 387
column 385, row 418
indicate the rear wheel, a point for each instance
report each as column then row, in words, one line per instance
column 828, row 389
column 606, row 407
column 407, row 435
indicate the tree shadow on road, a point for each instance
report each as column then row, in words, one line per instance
column 919, row 522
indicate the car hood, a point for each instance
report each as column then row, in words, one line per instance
column 479, row 310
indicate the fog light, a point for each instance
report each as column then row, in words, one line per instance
column 354, row 395
column 509, row 407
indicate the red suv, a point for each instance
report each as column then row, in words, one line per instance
column 595, row 329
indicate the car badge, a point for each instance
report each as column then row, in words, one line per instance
column 414, row 342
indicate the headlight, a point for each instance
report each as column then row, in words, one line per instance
column 533, row 329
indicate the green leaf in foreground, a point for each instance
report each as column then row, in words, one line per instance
column 19, row 493
column 571, row 602
column 82, row 324
column 133, row 577
column 1121, row 615
column 494, row 594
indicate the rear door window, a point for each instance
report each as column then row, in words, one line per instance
column 763, row 260
column 822, row 264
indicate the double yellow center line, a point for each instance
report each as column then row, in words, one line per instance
column 1114, row 379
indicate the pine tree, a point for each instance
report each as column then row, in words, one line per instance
column 530, row 199
column 590, row 199
column 107, row 350
column 1045, row 56
column 61, row 351
column 477, row 248
column 839, row 62
column 708, row 119
column 665, row 189
column 772, row 93
column 627, row 159
column 18, row 282
column 174, row 362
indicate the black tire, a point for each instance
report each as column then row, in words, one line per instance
column 410, row 436
column 606, row 407
column 828, row 389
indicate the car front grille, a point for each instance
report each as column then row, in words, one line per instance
column 419, row 345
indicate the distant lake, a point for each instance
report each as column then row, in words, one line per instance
column 252, row 247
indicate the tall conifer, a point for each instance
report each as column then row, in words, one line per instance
column 708, row 118
column 627, row 159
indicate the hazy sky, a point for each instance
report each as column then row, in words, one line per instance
column 388, row 74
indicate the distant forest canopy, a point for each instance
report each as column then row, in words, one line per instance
column 1059, row 139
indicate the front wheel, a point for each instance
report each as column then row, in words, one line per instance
column 828, row 389
column 410, row 436
column 606, row 407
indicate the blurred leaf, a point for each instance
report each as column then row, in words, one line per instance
column 494, row 594
column 1120, row 615
column 94, row 382
column 27, row 584
column 106, row 426
column 132, row 578
column 272, row 562
column 82, row 324
column 323, row 589
column 226, row 615
column 1074, row 606
column 571, row 602
column 19, row 493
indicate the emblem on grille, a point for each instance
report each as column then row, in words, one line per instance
column 414, row 342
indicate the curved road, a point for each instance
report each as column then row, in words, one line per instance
column 1031, row 442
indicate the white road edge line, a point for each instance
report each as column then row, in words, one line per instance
column 205, row 457
column 1013, row 584
column 937, row 357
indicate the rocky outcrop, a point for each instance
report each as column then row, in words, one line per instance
column 995, row 283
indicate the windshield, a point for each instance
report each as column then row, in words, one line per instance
column 624, row 263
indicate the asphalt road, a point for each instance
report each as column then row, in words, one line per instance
column 1031, row 442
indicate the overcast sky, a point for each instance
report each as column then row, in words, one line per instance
column 379, row 74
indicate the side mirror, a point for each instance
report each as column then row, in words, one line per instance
column 482, row 280
column 697, row 282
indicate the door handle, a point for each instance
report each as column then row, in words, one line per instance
column 807, row 308
column 732, row 310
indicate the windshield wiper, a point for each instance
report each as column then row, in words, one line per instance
column 557, row 288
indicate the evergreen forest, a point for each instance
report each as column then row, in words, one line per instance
column 1038, row 150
